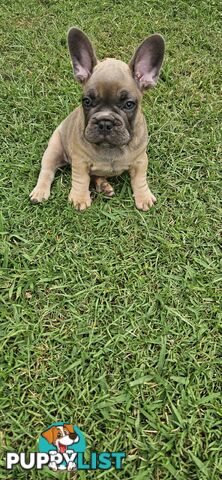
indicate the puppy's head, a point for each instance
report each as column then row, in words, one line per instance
column 61, row 436
column 112, row 90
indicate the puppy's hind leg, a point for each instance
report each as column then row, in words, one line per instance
column 102, row 185
column 53, row 158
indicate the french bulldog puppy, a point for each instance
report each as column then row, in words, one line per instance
column 107, row 134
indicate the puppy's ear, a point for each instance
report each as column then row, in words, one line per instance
column 82, row 54
column 147, row 60
column 50, row 434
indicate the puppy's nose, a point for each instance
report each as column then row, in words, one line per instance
column 72, row 436
column 105, row 125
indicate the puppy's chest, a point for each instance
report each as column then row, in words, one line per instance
column 109, row 166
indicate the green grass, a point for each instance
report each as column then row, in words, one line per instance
column 110, row 319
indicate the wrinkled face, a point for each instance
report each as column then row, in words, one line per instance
column 110, row 104
column 113, row 89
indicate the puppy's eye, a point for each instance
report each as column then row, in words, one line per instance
column 129, row 105
column 59, row 435
column 87, row 102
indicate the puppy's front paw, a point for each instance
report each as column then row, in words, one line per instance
column 39, row 194
column 144, row 201
column 71, row 466
column 80, row 201
column 53, row 466
column 103, row 186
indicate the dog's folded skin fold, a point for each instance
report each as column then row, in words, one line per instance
column 107, row 134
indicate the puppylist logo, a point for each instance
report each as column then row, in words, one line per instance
column 62, row 447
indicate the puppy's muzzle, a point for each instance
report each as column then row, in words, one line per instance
column 107, row 128
column 105, row 125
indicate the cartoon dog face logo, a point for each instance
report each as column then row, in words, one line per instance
column 62, row 442
column 61, row 436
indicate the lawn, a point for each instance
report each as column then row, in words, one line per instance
column 110, row 319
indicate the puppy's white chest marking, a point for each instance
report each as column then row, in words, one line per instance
column 108, row 168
